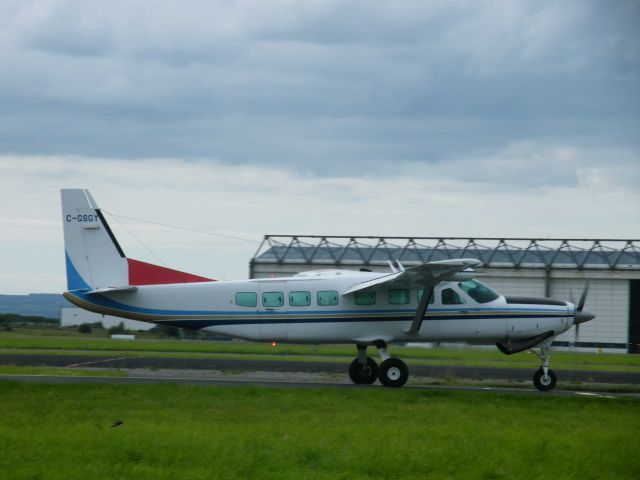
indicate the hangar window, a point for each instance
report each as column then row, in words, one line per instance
column 421, row 292
column 272, row 299
column 299, row 299
column 451, row 297
column 247, row 299
column 479, row 292
column 364, row 298
column 327, row 298
column 398, row 296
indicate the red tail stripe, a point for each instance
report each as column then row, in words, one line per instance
column 142, row 273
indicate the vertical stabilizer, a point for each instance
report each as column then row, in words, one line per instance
column 94, row 257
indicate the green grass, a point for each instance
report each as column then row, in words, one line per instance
column 60, row 371
column 344, row 353
column 187, row 432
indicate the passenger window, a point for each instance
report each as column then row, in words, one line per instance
column 247, row 299
column 451, row 297
column 421, row 292
column 398, row 297
column 299, row 299
column 364, row 298
column 272, row 299
column 327, row 298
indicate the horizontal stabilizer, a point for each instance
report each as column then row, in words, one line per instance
column 123, row 289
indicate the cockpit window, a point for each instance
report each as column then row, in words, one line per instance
column 479, row 292
column 451, row 297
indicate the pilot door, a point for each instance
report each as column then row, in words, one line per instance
column 272, row 309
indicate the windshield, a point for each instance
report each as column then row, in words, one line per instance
column 479, row 292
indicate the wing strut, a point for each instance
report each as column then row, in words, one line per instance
column 422, row 309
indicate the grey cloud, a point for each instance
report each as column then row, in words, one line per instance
column 330, row 87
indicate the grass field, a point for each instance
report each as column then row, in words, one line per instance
column 187, row 432
column 30, row 341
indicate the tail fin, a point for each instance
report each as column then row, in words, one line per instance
column 95, row 260
column 94, row 257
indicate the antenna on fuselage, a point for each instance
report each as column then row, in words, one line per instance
column 393, row 269
column 402, row 269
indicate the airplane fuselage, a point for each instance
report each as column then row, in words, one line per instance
column 311, row 308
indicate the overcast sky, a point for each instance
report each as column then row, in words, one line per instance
column 478, row 118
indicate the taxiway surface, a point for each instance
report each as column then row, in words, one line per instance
column 295, row 366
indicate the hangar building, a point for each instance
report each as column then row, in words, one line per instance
column 556, row 268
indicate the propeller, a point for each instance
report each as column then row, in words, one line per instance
column 576, row 330
column 580, row 315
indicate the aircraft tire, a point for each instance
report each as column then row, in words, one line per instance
column 363, row 374
column 544, row 384
column 393, row 372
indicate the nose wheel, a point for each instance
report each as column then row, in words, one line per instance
column 544, row 382
column 544, row 379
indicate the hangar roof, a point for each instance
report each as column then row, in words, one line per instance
column 581, row 254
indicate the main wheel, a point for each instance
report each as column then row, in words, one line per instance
column 393, row 372
column 363, row 374
column 542, row 382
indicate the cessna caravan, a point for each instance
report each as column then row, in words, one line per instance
column 433, row 302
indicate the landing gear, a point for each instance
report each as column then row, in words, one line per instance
column 363, row 370
column 544, row 379
column 392, row 372
column 543, row 382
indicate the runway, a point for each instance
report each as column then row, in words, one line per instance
column 296, row 366
column 234, row 382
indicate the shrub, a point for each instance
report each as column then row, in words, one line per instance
column 118, row 329
column 84, row 328
column 166, row 330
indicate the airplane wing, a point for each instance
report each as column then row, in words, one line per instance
column 427, row 274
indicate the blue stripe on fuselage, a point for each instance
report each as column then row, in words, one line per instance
column 102, row 301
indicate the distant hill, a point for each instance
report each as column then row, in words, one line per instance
column 36, row 304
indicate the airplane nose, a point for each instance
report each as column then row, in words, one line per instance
column 583, row 316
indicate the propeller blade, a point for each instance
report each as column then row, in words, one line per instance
column 583, row 298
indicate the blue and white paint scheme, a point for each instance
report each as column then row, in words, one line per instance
column 433, row 302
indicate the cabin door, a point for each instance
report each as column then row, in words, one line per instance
column 272, row 308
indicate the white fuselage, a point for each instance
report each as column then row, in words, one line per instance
column 214, row 307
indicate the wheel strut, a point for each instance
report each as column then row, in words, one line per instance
column 392, row 372
column 362, row 354
column 544, row 379
column 363, row 369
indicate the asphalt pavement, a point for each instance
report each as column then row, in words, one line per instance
column 296, row 366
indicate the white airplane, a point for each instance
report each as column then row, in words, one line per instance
column 432, row 302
